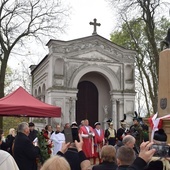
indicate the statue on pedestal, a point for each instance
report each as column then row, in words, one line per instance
column 105, row 109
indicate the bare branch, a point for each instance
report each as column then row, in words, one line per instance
column 146, row 44
column 19, row 19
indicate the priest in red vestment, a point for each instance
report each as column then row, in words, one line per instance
column 87, row 134
column 99, row 141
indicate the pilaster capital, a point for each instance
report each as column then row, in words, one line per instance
column 73, row 98
column 113, row 100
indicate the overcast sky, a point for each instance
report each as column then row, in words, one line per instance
column 85, row 11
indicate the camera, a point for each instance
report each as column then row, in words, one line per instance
column 162, row 150
column 68, row 135
column 71, row 134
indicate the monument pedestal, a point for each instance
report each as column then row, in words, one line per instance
column 164, row 83
column 166, row 127
column 164, row 90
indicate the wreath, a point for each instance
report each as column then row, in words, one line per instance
column 45, row 146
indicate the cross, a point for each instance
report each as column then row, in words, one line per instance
column 95, row 25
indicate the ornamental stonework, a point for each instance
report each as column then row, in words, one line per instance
column 95, row 45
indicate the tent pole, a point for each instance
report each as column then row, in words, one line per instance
column 1, row 122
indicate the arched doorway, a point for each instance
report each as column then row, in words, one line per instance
column 87, row 102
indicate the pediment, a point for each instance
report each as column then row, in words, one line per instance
column 93, row 56
column 89, row 46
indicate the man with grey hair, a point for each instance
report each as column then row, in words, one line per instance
column 130, row 141
column 25, row 153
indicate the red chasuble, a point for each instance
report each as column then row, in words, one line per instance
column 87, row 134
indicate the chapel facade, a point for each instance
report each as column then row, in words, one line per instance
column 89, row 77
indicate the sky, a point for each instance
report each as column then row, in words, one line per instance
column 82, row 12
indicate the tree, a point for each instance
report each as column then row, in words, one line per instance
column 142, row 32
column 20, row 19
column 17, row 77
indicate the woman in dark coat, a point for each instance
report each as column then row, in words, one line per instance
column 10, row 140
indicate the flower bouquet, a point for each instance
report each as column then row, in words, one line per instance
column 45, row 146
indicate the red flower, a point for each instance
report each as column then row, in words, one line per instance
column 49, row 151
column 45, row 136
column 50, row 145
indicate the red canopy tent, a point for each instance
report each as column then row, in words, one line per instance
column 21, row 103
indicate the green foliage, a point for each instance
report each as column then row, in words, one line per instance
column 12, row 122
column 44, row 147
column 124, row 38
column 138, row 35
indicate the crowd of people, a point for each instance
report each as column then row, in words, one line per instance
column 88, row 147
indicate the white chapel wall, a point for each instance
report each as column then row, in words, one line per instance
column 68, row 63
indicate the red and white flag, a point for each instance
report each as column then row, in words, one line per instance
column 156, row 123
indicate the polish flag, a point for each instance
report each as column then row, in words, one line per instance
column 156, row 123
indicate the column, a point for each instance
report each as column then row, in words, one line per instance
column 67, row 118
column 114, row 110
column 120, row 113
column 72, row 109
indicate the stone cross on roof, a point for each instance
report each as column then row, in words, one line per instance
column 95, row 25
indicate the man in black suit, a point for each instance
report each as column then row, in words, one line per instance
column 25, row 153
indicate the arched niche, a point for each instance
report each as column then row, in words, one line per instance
column 43, row 93
column 43, row 89
column 35, row 93
column 39, row 93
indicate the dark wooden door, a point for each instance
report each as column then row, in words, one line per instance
column 87, row 102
